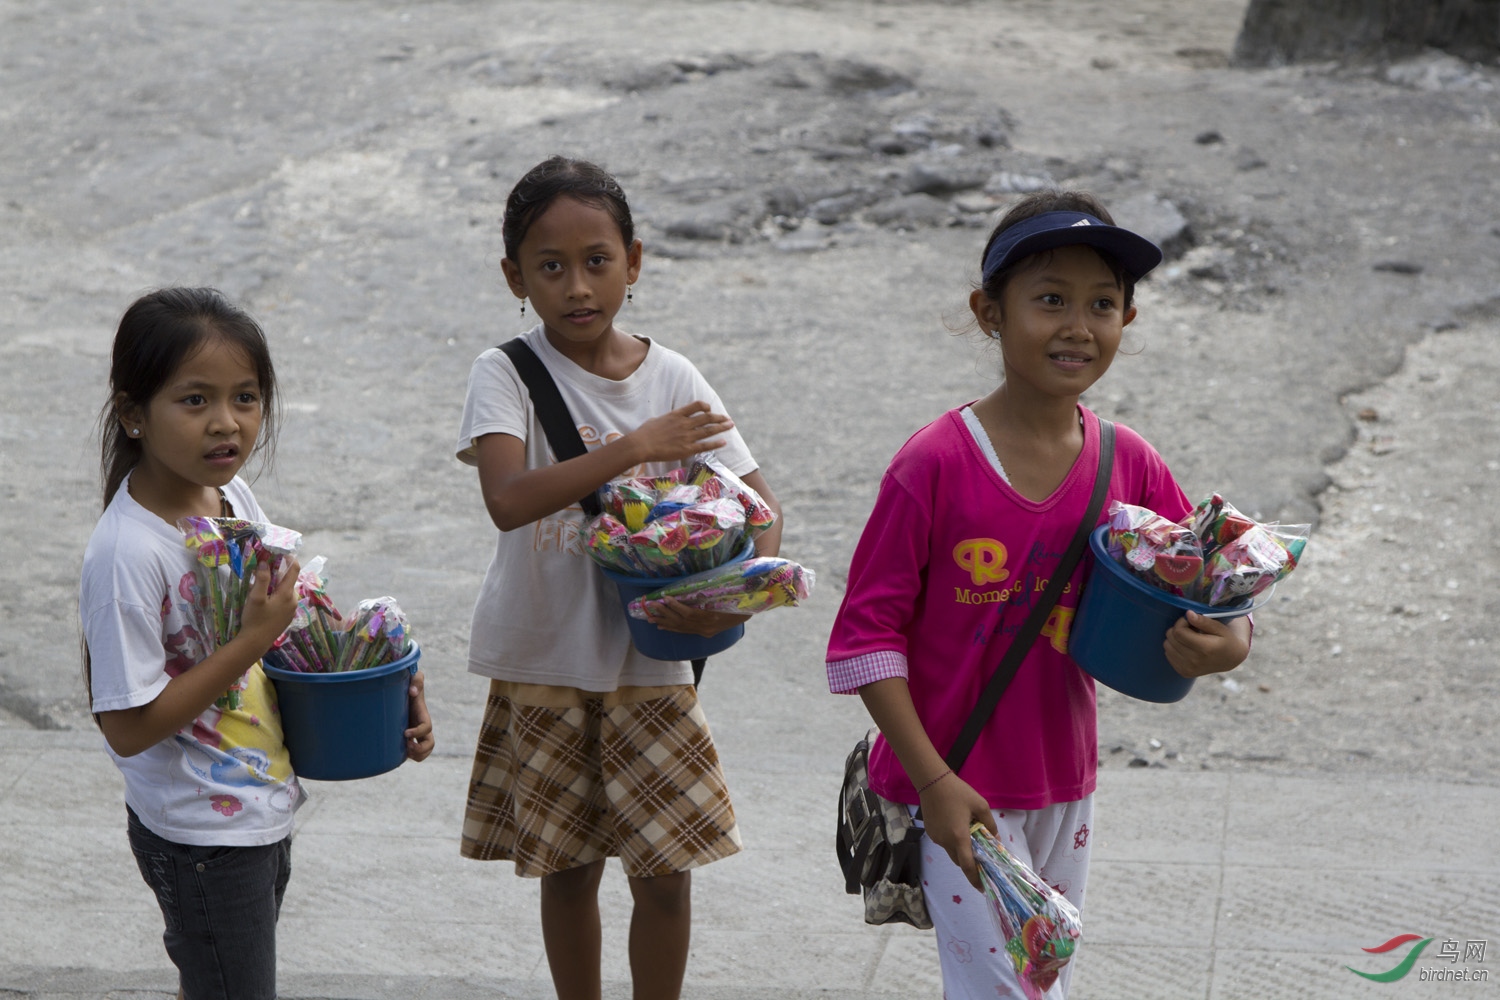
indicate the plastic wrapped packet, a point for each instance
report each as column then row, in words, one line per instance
column 378, row 633
column 640, row 499
column 676, row 498
column 1255, row 559
column 230, row 551
column 717, row 481
column 658, row 543
column 693, row 519
column 685, row 540
column 320, row 640
column 629, row 500
column 1160, row 552
column 1039, row 926
column 310, row 643
column 607, row 542
column 1215, row 555
column 750, row 587
column 1215, row 522
column 1241, row 557
column 692, row 539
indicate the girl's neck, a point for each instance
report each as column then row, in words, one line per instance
column 613, row 354
column 170, row 499
column 1039, row 418
column 1036, row 441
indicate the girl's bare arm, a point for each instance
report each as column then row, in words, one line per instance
column 186, row 696
column 516, row 496
column 949, row 804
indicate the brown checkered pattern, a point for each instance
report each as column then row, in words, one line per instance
column 556, row 788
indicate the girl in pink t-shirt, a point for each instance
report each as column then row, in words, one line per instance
column 971, row 521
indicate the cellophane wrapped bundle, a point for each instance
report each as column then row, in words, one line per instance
column 320, row 640
column 694, row 519
column 1242, row 558
column 744, row 588
column 378, row 633
column 1161, row 552
column 229, row 552
column 310, row 643
column 1039, row 926
column 1215, row 555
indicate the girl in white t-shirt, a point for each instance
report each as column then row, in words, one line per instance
column 209, row 788
column 589, row 749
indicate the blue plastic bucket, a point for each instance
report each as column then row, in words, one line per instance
column 1121, row 624
column 345, row 725
column 658, row 643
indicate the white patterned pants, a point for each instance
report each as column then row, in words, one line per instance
column 1054, row 842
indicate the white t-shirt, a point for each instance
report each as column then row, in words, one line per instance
column 545, row 613
column 226, row 779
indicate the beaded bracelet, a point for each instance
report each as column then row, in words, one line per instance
column 934, row 781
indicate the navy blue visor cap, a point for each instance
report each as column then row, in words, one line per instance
column 1050, row 230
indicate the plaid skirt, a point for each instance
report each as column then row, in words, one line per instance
column 563, row 778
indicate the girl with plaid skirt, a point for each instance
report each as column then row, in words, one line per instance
column 589, row 749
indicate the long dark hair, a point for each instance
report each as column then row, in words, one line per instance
column 558, row 177
column 157, row 334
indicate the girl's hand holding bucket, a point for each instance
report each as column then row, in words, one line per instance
column 674, row 616
column 419, row 739
column 1197, row 644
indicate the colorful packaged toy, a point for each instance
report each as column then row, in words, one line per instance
column 1039, row 926
column 320, row 640
column 746, row 588
column 229, row 552
column 695, row 519
column 1161, row 552
column 1215, row 556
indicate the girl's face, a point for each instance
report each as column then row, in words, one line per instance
column 199, row 430
column 1060, row 322
column 575, row 267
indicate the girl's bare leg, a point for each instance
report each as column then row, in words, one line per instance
column 570, row 930
column 660, row 926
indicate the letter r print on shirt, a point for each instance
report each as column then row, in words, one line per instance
column 983, row 559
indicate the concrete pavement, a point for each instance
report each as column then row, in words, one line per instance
column 164, row 142
column 1206, row 884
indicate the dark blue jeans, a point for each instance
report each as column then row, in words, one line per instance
column 220, row 905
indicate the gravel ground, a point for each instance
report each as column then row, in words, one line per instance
column 813, row 182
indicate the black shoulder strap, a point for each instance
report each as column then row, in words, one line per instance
column 551, row 410
column 557, row 424
column 1019, row 646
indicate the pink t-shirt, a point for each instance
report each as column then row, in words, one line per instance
column 948, row 567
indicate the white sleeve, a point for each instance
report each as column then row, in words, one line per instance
column 735, row 455
column 497, row 402
column 127, row 659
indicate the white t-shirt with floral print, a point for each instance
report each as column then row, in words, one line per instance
column 227, row 778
